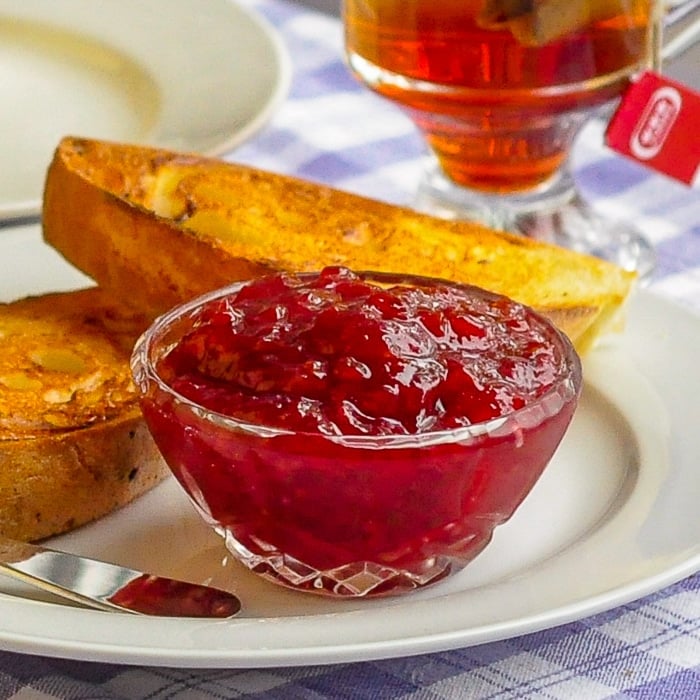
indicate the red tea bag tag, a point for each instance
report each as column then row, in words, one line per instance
column 658, row 125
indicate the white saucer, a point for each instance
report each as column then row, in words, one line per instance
column 613, row 518
column 193, row 75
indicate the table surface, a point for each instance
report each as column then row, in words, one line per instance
column 332, row 130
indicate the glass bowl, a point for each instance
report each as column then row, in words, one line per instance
column 356, row 513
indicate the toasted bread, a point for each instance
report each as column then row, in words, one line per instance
column 73, row 444
column 160, row 227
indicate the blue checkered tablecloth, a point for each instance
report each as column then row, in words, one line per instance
column 331, row 130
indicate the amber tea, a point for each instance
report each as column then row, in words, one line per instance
column 498, row 87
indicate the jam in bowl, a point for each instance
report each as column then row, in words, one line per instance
column 356, row 434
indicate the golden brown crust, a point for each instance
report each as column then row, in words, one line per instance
column 64, row 362
column 94, row 217
column 55, row 483
column 169, row 226
column 73, row 444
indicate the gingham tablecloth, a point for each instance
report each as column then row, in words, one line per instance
column 332, row 130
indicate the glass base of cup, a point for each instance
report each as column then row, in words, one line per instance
column 554, row 213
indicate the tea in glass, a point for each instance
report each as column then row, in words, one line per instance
column 499, row 87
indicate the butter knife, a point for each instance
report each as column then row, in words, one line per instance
column 110, row 587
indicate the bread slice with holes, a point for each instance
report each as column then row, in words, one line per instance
column 158, row 227
column 73, row 444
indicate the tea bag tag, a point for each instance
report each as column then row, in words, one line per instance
column 656, row 124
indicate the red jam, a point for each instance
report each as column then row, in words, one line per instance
column 336, row 355
column 359, row 389
column 156, row 595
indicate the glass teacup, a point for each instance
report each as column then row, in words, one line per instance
column 500, row 89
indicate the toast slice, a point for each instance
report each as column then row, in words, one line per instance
column 73, row 444
column 159, row 227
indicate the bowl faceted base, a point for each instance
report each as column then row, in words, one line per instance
column 354, row 580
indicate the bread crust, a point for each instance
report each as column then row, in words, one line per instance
column 73, row 443
column 172, row 226
column 93, row 215
column 57, row 482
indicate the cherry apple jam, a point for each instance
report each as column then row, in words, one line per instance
column 356, row 434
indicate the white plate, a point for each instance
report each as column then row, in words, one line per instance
column 613, row 518
column 197, row 75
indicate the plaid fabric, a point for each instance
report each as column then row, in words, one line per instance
column 332, row 130
column 647, row 650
